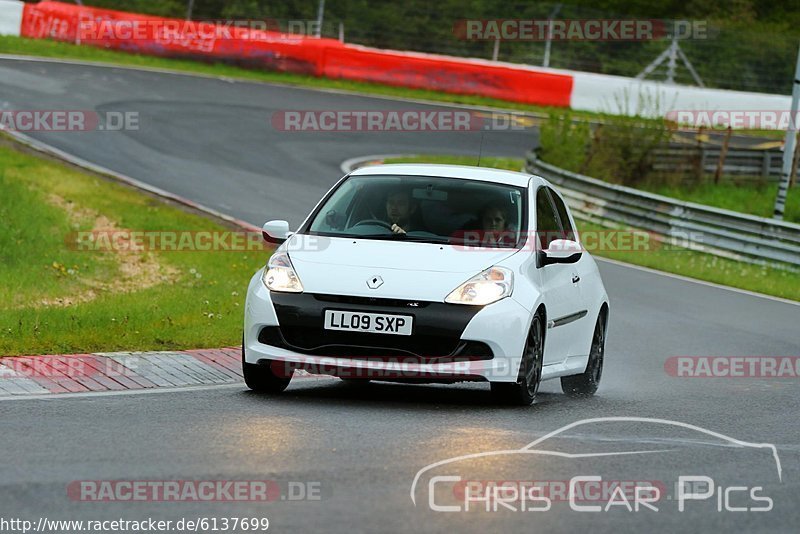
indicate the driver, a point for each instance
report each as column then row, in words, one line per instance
column 400, row 207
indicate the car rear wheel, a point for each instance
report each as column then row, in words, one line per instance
column 523, row 391
column 586, row 384
column 262, row 378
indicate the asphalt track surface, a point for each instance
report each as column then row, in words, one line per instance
column 361, row 447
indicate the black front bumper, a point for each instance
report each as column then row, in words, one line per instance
column 435, row 338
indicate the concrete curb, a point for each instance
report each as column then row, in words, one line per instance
column 118, row 371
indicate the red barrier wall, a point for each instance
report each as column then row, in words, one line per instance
column 276, row 51
column 172, row 37
column 451, row 75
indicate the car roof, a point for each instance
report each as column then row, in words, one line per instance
column 463, row 172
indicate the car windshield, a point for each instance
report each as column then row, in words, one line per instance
column 424, row 209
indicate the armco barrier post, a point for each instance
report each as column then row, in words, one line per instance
column 722, row 153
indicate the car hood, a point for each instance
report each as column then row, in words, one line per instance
column 420, row 271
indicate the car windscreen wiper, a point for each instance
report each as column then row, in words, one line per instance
column 437, row 240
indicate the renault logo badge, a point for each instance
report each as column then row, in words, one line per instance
column 375, row 282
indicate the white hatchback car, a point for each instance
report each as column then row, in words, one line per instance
column 430, row 273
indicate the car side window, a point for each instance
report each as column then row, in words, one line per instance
column 561, row 209
column 547, row 225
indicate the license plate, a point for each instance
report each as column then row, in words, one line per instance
column 375, row 323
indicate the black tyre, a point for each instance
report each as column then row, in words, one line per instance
column 261, row 377
column 586, row 383
column 523, row 391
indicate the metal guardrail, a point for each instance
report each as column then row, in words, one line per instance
column 719, row 231
column 738, row 161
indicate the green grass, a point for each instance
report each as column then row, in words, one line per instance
column 34, row 231
column 754, row 198
column 761, row 279
column 200, row 303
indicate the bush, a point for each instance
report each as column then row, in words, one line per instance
column 563, row 141
column 618, row 150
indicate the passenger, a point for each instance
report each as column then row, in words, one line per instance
column 494, row 221
column 494, row 218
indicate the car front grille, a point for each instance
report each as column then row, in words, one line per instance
column 462, row 351
column 436, row 334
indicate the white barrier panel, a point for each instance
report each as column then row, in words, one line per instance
column 10, row 17
column 618, row 95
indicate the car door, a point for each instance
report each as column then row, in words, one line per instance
column 581, row 326
column 561, row 295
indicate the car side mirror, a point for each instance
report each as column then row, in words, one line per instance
column 559, row 251
column 275, row 232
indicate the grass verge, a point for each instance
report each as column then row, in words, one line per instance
column 698, row 265
column 57, row 298
column 756, row 198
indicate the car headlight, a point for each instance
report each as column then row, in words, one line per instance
column 484, row 288
column 280, row 275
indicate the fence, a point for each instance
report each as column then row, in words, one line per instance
column 749, row 163
column 722, row 232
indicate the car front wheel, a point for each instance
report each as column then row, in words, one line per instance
column 262, row 378
column 586, row 384
column 523, row 391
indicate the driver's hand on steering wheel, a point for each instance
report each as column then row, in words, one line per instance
column 397, row 229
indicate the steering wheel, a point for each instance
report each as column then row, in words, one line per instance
column 376, row 222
